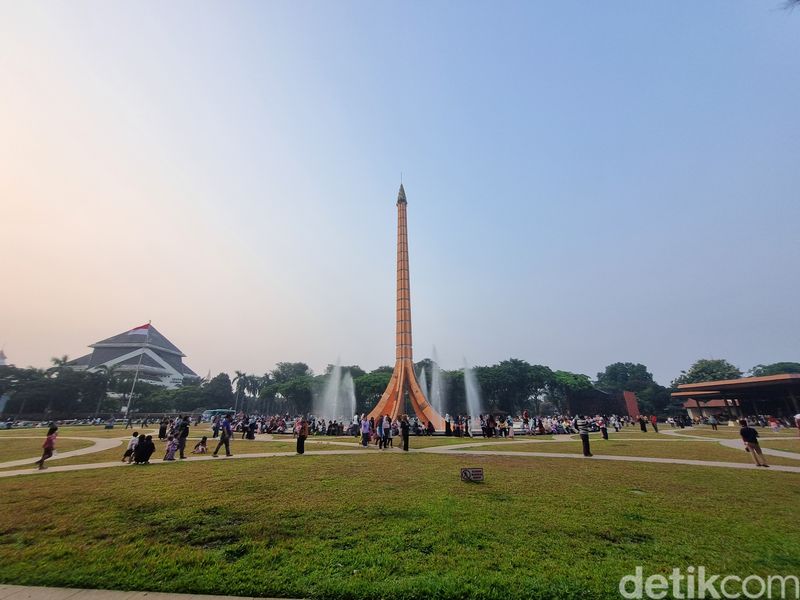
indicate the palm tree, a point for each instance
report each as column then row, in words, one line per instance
column 240, row 381
column 253, row 386
column 59, row 364
column 110, row 374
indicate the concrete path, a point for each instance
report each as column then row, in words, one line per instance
column 737, row 445
column 644, row 459
column 20, row 592
column 156, row 461
column 98, row 445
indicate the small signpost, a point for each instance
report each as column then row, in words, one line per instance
column 472, row 474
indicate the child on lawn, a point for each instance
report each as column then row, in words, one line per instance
column 201, row 447
column 49, row 446
column 172, row 446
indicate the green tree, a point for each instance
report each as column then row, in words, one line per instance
column 285, row 371
column 708, row 369
column 218, row 393
column 59, row 366
column 143, row 392
column 289, row 388
column 513, row 385
column 779, row 368
column 110, row 376
column 240, row 383
column 564, row 388
column 455, row 391
column 355, row 370
column 540, row 378
column 369, row 388
column 619, row 376
column 297, row 393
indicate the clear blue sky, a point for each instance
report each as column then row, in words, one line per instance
column 588, row 182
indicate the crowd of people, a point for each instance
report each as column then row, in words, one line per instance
column 383, row 430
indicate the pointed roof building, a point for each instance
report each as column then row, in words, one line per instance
column 142, row 348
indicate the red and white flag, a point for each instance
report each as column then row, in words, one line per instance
column 141, row 330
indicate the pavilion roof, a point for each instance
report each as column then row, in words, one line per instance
column 744, row 382
column 153, row 339
column 746, row 387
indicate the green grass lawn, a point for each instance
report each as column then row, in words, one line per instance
column 89, row 431
column 17, row 449
column 677, row 449
column 733, row 432
column 237, row 447
column 393, row 525
column 787, row 445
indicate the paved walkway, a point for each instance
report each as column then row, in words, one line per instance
column 642, row 459
column 737, row 445
column 98, row 445
column 21, row 592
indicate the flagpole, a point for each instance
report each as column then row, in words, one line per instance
column 136, row 374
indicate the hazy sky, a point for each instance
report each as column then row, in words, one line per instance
column 588, row 182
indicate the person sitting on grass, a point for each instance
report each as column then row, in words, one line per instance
column 128, row 456
column 201, row 447
column 49, row 446
column 140, row 450
column 172, row 446
column 751, row 445
column 150, row 447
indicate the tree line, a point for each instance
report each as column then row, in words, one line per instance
column 509, row 386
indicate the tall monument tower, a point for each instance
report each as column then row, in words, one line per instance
column 404, row 381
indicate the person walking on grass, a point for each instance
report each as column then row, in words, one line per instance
column 302, row 434
column 49, row 446
column 387, row 431
column 404, row 430
column 581, row 423
column 712, row 420
column 390, row 433
column 601, row 423
column 654, row 422
column 751, row 445
column 183, row 434
column 225, row 434
column 364, row 430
